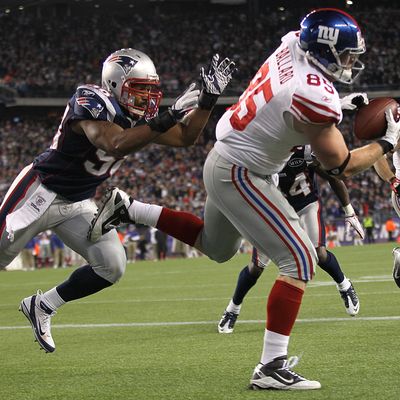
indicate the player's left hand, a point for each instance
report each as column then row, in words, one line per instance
column 218, row 76
column 354, row 101
column 215, row 80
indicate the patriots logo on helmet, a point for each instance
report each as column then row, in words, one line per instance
column 125, row 62
column 91, row 104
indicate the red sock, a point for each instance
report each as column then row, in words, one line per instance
column 180, row 225
column 283, row 306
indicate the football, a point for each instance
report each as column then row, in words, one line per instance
column 370, row 121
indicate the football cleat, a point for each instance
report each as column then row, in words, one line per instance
column 351, row 301
column 396, row 266
column 227, row 322
column 278, row 374
column 39, row 315
column 113, row 211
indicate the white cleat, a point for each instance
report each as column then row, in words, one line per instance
column 112, row 212
column 39, row 316
column 227, row 322
column 278, row 374
column 351, row 300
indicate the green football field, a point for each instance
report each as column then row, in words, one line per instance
column 153, row 335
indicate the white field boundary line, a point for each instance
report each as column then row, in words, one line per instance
column 188, row 323
column 205, row 299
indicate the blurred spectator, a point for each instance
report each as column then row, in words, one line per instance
column 391, row 229
column 161, row 244
column 130, row 242
column 57, row 247
column 28, row 260
column 45, row 256
column 368, row 223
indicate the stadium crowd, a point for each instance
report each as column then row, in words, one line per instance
column 46, row 61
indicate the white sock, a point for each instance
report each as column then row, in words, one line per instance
column 344, row 285
column 232, row 307
column 275, row 345
column 144, row 213
column 53, row 299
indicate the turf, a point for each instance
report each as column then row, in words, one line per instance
column 150, row 357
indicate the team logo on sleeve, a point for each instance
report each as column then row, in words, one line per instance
column 327, row 35
column 91, row 104
column 125, row 62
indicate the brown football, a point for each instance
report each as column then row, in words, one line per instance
column 370, row 122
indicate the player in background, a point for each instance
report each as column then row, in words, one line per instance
column 100, row 127
column 299, row 185
column 386, row 173
column 291, row 101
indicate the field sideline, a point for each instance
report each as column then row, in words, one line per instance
column 153, row 336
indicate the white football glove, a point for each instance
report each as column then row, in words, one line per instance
column 185, row 102
column 393, row 129
column 353, row 101
column 351, row 221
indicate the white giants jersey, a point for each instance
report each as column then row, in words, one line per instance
column 257, row 132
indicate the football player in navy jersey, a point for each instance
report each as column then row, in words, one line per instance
column 298, row 183
column 99, row 128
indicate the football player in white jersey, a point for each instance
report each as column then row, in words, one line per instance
column 291, row 101
column 393, row 178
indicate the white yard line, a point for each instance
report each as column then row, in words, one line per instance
column 183, row 323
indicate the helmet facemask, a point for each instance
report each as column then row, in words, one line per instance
column 347, row 67
column 141, row 98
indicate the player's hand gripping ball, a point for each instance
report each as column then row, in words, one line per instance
column 370, row 121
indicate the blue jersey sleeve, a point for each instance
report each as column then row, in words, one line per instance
column 87, row 103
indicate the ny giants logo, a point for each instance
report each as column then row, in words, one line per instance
column 125, row 62
column 327, row 35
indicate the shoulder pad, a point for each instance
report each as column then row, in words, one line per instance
column 316, row 101
column 93, row 102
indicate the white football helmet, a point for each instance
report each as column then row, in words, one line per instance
column 131, row 77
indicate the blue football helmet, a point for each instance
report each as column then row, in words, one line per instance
column 332, row 40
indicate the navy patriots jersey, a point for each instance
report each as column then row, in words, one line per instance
column 73, row 167
column 297, row 180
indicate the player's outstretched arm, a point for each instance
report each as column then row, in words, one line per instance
column 214, row 81
column 119, row 142
column 180, row 125
column 328, row 145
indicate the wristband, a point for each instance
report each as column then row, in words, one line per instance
column 348, row 210
column 207, row 101
column 162, row 122
column 386, row 146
